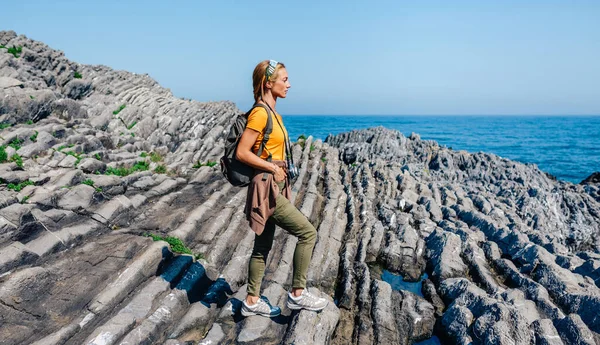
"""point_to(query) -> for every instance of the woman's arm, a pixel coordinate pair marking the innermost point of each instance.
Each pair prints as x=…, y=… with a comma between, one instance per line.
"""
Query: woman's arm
x=245, y=155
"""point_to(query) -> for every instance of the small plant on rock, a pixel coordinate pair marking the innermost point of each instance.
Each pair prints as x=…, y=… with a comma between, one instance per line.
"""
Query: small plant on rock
x=199, y=256
x=141, y=166
x=29, y=122
x=34, y=137
x=143, y=155
x=78, y=156
x=4, y=125
x=131, y=125
x=77, y=75
x=155, y=157
x=119, y=110
x=177, y=245
x=161, y=169
x=17, y=159
x=24, y=200
x=16, y=144
x=208, y=164
x=138, y=166
x=18, y=187
x=15, y=51
x=88, y=182
x=62, y=147
x=3, y=155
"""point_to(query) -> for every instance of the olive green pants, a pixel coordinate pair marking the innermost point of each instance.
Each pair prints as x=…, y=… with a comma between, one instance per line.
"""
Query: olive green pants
x=289, y=218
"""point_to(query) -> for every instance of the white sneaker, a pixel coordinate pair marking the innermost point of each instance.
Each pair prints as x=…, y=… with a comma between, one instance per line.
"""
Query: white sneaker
x=306, y=301
x=261, y=307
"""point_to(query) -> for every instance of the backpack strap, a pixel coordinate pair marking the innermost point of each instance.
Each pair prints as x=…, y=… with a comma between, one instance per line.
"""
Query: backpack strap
x=268, y=130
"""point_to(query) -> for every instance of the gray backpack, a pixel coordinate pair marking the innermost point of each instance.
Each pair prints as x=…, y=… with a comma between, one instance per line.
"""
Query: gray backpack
x=236, y=172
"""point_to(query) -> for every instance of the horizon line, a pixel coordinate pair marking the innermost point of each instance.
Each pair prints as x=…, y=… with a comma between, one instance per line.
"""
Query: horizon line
x=536, y=115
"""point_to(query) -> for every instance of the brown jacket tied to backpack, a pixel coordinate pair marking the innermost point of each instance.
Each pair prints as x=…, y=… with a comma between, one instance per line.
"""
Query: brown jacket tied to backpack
x=262, y=192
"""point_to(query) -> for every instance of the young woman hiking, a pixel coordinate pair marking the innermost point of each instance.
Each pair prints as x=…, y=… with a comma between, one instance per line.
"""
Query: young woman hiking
x=269, y=192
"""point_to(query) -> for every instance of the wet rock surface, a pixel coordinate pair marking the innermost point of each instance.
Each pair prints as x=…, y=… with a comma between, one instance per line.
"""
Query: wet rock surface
x=96, y=159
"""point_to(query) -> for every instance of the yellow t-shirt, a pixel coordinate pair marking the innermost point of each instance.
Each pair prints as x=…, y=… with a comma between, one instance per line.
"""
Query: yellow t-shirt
x=257, y=120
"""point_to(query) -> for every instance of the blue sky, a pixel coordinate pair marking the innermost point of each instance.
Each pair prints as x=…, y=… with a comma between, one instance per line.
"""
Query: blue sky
x=343, y=57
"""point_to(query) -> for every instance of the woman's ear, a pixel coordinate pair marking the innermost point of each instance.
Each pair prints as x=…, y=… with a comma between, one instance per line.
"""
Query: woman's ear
x=269, y=85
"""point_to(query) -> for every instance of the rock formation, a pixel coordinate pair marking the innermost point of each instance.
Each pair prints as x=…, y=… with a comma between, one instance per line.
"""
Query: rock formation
x=97, y=163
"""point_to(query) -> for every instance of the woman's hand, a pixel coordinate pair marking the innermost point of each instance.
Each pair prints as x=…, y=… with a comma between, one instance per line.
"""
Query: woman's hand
x=245, y=155
x=279, y=174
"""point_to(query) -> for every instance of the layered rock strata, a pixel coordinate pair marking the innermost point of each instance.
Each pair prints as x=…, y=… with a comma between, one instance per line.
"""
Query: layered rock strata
x=97, y=159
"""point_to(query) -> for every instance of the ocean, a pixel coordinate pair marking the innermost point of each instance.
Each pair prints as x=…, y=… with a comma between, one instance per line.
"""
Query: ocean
x=567, y=147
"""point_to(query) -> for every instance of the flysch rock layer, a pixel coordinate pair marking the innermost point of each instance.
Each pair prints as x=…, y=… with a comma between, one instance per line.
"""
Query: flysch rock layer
x=511, y=254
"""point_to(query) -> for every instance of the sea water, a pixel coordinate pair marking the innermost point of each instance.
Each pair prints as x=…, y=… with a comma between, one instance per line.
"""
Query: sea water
x=567, y=147
x=397, y=282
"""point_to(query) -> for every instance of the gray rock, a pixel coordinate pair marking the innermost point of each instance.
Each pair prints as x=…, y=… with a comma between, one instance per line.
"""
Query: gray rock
x=7, y=82
x=573, y=331
x=77, y=88
x=67, y=162
x=545, y=333
x=91, y=165
x=444, y=249
x=79, y=197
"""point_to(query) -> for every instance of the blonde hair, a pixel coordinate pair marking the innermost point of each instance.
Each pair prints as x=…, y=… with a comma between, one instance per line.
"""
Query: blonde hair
x=259, y=78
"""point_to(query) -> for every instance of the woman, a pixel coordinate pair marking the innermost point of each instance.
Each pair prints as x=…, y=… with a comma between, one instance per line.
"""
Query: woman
x=269, y=192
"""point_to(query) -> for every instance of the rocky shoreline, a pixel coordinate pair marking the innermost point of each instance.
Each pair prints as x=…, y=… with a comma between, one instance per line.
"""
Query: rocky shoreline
x=101, y=166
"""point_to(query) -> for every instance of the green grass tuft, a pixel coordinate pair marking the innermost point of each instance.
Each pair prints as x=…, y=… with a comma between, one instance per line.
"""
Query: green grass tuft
x=208, y=164
x=4, y=125
x=76, y=155
x=24, y=200
x=131, y=125
x=15, y=51
x=16, y=144
x=161, y=169
x=34, y=137
x=89, y=182
x=17, y=159
x=18, y=187
x=177, y=245
x=3, y=155
x=97, y=156
x=29, y=122
x=62, y=147
x=77, y=75
x=199, y=256
x=143, y=155
x=155, y=157
x=119, y=110
x=141, y=166
x=138, y=166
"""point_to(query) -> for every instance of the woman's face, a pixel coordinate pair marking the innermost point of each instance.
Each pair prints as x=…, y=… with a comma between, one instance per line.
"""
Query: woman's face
x=281, y=85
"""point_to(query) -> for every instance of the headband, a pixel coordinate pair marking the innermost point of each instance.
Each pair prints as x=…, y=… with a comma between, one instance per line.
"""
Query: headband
x=270, y=69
